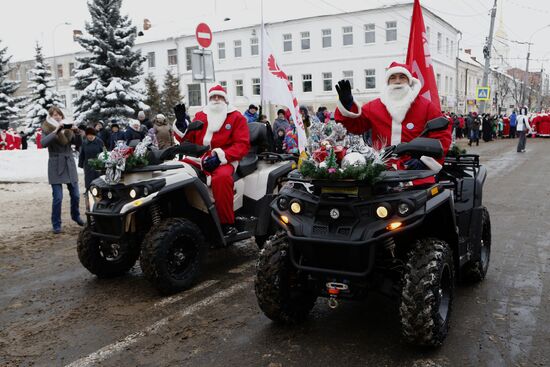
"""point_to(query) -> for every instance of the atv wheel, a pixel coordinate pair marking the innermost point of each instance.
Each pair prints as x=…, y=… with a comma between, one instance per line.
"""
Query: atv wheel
x=261, y=240
x=427, y=294
x=172, y=253
x=476, y=269
x=279, y=289
x=104, y=259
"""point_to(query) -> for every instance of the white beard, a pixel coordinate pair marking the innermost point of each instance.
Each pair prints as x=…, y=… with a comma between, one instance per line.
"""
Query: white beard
x=398, y=99
x=216, y=113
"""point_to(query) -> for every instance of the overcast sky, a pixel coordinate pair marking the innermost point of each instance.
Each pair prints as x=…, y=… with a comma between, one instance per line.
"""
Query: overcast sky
x=26, y=21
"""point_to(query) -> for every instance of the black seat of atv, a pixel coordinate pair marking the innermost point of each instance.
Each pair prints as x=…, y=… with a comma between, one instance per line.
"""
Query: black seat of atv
x=421, y=146
x=258, y=136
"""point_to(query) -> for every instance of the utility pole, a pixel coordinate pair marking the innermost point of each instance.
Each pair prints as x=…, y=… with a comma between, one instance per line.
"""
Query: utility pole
x=541, y=88
x=526, y=76
x=487, y=54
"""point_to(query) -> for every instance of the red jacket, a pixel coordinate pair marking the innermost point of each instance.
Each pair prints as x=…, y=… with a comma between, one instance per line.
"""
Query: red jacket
x=375, y=116
x=231, y=142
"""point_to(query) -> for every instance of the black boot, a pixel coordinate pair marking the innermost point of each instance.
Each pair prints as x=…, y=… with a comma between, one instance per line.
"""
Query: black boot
x=229, y=230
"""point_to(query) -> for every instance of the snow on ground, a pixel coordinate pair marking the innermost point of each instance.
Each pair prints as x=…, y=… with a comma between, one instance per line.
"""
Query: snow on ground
x=29, y=165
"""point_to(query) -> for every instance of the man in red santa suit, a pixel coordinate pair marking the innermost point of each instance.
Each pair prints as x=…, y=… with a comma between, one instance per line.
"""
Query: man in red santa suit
x=398, y=116
x=225, y=130
x=39, y=138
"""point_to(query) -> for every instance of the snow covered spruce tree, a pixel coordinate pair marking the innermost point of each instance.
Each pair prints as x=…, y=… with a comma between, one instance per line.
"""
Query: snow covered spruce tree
x=153, y=95
x=9, y=105
x=170, y=95
x=43, y=96
x=107, y=76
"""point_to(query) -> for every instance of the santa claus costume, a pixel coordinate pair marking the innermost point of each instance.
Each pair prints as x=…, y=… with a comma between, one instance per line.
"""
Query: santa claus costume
x=10, y=139
x=38, y=138
x=225, y=130
x=398, y=116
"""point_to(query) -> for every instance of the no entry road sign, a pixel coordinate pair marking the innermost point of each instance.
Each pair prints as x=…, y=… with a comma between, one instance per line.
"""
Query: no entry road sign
x=204, y=35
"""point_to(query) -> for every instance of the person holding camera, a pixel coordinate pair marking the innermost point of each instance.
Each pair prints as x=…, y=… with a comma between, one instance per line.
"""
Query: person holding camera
x=58, y=137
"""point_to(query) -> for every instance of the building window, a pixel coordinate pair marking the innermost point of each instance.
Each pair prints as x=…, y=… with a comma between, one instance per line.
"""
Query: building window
x=327, y=82
x=173, y=57
x=428, y=34
x=438, y=42
x=348, y=75
x=327, y=37
x=239, y=89
x=254, y=48
x=188, y=56
x=290, y=80
x=369, y=33
x=71, y=69
x=18, y=75
x=151, y=62
x=63, y=99
x=446, y=85
x=60, y=70
x=287, y=42
x=74, y=96
x=447, y=47
x=221, y=50
x=438, y=81
x=237, y=47
x=391, y=31
x=347, y=36
x=370, y=79
x=255, y=86
x=194, y=91
x=305, y=40
x=307, y=85
x=223, y=83
x=452, y=48
x=29, y=75
x=451, y=85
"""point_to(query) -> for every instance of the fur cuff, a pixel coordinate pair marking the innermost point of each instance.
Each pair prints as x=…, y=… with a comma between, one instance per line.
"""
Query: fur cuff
x=176, y=130
x=431, y=163
x=221, y=155
x=347, y=113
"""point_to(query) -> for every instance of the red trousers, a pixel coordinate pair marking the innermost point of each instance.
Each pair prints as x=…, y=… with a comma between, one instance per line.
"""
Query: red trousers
x=222, y=188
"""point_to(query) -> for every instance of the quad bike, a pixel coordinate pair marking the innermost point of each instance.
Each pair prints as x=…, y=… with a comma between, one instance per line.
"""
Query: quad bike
x=410, y=236
x=164, y=214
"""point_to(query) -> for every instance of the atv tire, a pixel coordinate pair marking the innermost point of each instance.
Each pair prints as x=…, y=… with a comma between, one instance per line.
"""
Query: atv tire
x=476, y=269
x=427, y=293
x=277, y=285
x=93, y=257
x=172, y=254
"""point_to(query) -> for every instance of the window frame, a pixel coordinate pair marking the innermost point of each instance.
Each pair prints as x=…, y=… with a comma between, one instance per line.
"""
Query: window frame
x=327, y=76
x=369, y=32
x=239, y=87
x=239, y=47
x=307, y=39
x=254, y=47
x=325, y=37
x=287, y=41
x=221, y=47
x=372, y=77
x=308, y=80
x=347, y=31
x=392, y=30
x=172, y=55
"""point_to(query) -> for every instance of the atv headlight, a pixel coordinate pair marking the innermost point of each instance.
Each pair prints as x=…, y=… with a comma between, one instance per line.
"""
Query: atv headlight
x=296, y=207
x=404, y=208
x=133, y=193
x=383, y=210
x=282, y=203
x=94, y=191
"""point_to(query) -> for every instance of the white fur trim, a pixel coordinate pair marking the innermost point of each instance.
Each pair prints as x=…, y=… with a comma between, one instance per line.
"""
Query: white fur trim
x=208, y=180
x=217, y=93
x=347, y=113
x=176, y=130
x=398, y=112
x=221, y=155
x=431, y=163
x=398, y=69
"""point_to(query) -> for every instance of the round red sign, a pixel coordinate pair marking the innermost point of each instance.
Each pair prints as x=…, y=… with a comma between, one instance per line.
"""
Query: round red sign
x=203, y=35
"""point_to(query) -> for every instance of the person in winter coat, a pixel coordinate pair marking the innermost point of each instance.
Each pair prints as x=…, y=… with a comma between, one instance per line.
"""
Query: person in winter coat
x=90, y=149
x=102, y=132
x=280, y=123
x=163, y=132
x=290, y=142
x=134, y=132
x=487, y=128
x=523, y=128
x=474, y=129
x=143, y=120
x=59, y=135
x=116, y=135
x=251, y=114
x=398, y=116
x=279, y=141
x=23, y=136
x=513, y=125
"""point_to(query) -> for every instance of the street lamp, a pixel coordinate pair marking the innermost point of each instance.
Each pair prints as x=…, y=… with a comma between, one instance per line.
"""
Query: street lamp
x=526, y=76
x=53, y=48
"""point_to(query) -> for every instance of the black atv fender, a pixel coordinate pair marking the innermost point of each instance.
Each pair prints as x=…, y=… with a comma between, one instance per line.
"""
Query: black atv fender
x=480, y=181
x=194, y=186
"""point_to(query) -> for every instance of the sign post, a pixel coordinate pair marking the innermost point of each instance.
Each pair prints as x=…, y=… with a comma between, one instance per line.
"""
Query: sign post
x=203, y=34
x=483, y=93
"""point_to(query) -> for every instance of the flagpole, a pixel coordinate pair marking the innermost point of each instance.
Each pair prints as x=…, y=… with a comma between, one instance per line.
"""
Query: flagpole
x=261, y=57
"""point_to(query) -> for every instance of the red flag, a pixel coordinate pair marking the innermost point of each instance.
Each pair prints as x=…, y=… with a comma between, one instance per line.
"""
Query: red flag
x=418, y=56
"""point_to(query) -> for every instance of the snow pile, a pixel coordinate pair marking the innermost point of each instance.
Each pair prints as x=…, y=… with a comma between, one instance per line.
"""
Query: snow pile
x=29, y=165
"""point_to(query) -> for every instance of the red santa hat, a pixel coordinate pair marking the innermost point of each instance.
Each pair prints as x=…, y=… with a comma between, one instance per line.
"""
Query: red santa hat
x=217, y=90
x=396, y=68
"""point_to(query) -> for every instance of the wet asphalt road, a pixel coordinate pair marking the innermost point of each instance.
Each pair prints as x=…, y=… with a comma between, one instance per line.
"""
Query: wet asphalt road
x=54, y=313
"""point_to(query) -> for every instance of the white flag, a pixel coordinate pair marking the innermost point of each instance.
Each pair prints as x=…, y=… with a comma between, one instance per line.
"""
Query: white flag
x=277, y=89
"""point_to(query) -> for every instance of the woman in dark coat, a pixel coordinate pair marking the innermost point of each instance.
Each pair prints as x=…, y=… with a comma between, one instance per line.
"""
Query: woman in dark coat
x=487, y=128
x=90, y=149
x=58, y=137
